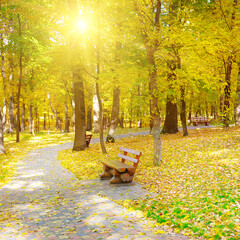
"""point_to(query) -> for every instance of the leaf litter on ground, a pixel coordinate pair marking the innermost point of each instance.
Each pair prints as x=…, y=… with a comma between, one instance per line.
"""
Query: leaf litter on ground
x=197, y=184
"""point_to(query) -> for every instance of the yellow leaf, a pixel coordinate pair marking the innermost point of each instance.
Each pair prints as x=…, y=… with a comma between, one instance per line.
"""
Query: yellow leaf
x=159, y=232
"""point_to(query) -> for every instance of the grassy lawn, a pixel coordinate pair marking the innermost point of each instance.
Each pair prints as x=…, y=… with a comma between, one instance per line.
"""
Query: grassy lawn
x=197, y=185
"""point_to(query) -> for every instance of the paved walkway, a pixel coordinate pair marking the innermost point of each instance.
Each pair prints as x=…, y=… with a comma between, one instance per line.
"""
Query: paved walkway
x=45, y=201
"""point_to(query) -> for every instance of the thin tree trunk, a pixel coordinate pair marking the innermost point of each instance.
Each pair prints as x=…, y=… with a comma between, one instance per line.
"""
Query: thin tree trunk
x=31, y=120
x=237, y=109
x=11, y=115
x=23, y=118
x=2, y=149
x=55, y=113
x=89, y=118
x=97, y=86
x=96, y=127
x=114, y=116
x=67, y=121
x=44, y=121
x=19, y=84
x=122, y=120
x=227, y=92
x=100, y=120
x=155, y=114
x=80, y=125
x=37, y=119
x=3, y=71
x=4, y=115
x=183, y=112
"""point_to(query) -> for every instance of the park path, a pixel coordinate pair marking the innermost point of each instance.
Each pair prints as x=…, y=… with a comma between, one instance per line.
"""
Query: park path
x=46, y=201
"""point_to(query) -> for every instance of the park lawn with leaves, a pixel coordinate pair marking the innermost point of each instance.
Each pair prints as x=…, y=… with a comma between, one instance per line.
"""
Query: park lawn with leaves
x=197, y=184
x=16, y=151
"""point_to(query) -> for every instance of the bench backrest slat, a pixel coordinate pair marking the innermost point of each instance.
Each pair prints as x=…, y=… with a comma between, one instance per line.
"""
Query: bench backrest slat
x=130, y=151
x=125, y=157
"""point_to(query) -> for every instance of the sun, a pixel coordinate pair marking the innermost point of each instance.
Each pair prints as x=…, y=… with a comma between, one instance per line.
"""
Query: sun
x=81, y=25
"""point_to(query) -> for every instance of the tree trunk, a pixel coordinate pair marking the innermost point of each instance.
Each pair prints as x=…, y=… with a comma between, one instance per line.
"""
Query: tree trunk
x=237, y=108
x=37, y=120
x=96, y=127
x=89, y=118
x=100, y=120
x=3, y=71
x=2, y=149
x=155, y=115
x=31, y=120
x=4, y=115
x=122, y=120
x=19, y=84
x=11, y=115
x=44, y=121
x=114, y=116
x=60, y=123
x=55, y=113
x=97, y=79
x=23, y=118
x=227, y=92
x=67, y=122
x=80, y=125
x=183, y=112
x=171, y=121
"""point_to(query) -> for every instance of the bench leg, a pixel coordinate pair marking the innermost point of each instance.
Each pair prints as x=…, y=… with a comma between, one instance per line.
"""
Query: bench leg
x=116, y=177
x=121, y=177
x=106, y=173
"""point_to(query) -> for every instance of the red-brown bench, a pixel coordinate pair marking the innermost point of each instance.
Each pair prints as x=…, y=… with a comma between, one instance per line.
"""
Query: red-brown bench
x=119, y=171
x=200, y=120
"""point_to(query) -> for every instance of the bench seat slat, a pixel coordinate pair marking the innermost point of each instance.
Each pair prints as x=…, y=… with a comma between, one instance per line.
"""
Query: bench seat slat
x=121, y=167
x=130, y=151
x=127, y=158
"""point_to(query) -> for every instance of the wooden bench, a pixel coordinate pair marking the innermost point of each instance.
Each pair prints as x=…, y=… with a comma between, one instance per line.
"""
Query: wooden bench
x=88, y=139
x=119, y=171
x=200, y=120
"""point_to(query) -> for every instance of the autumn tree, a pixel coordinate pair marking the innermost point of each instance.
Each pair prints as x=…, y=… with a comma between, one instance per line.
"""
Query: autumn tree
x=149, y=15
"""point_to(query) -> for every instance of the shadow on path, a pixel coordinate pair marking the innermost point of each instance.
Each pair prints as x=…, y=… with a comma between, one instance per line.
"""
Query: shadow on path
x=46, y=201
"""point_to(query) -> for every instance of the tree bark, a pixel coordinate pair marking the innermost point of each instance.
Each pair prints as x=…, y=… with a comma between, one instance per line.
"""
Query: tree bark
x=183, y=112
x=114, y=116
x=23, y=118
x=227, y=92
x=97, y=79
x=89, y=118
x=80, y=125
x=11, y=115
x=96, y=127
x=2, y=149
x=67, y=121
x=122, y=120
x=3, y=71
x=100, y=120
x=31, y=120
x=19, y=84
x=237, y=109
x=4, y=115
x=155, y=114
x=44, y=121
x=171, y=121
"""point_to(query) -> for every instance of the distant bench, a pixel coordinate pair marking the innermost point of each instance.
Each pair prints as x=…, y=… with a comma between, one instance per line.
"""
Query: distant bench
x=88, y=139
x=200, y=120
x=119, y=171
